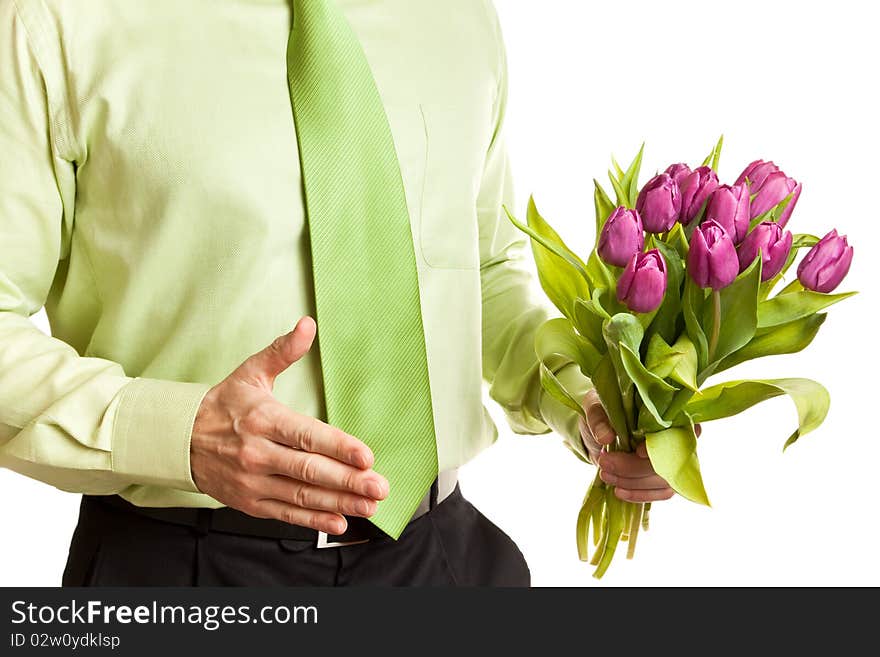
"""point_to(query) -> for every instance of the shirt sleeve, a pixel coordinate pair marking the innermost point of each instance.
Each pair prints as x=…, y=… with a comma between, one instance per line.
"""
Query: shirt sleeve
x=78, y=423
x=512, y=306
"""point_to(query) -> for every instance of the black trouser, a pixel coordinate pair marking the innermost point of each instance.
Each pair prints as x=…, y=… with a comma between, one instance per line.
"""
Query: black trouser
x=453, y=544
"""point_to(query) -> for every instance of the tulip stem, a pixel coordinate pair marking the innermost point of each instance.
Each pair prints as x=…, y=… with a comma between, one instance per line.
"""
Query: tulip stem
x=634, y=526
x=716, y=324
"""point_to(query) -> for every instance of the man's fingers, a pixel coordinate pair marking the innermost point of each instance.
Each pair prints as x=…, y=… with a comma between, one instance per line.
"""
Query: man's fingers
x=284, y=351
x=308, y=496
x=598, y=424
x=313, y=435
x=626, y=464
x=634, y=483
x=642, y=450
x=324, y=471
x=332, y=523
x=654, y=495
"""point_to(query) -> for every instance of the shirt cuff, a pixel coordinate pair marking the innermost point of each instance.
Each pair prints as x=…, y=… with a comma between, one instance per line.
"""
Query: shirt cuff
x=152, y=432
x=559, y=417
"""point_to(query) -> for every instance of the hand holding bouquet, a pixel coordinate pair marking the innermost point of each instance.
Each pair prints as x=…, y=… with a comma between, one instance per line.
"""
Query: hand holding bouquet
x=683, y=283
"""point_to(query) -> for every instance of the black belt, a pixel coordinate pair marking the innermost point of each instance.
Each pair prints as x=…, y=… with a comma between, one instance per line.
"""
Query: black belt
x=232, y=521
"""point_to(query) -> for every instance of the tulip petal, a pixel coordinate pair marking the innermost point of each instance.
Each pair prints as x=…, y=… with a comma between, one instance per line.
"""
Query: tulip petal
x=830, y=276
x=786, y=214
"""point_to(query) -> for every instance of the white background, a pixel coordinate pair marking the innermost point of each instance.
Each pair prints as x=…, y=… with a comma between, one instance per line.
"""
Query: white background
x=789, y=81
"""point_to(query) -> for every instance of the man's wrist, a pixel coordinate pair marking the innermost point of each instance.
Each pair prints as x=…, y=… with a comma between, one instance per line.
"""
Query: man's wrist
x=152, y=432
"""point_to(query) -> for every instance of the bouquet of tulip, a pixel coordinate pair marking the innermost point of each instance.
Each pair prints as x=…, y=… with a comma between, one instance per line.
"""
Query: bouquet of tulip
x=683, y=283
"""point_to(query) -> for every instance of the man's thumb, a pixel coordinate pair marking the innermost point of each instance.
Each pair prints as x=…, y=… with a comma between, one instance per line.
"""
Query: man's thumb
x=284, y=351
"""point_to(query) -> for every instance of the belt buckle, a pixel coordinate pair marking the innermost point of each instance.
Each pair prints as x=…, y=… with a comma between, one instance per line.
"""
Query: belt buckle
x=325, y=542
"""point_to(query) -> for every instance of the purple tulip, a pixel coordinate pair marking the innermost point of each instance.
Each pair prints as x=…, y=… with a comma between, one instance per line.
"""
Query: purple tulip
x=678, y=172
x=659, y=203
x=695, y=189
x=826, y=264
x=642, y=285
x=729, y=206
x=712, y=260
x=622, y=237
x=756, y=173
x=773, y=191
x=774, y=245
x=769, y=185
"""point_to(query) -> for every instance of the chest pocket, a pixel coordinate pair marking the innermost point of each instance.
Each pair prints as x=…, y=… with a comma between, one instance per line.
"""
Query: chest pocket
x=441, y=150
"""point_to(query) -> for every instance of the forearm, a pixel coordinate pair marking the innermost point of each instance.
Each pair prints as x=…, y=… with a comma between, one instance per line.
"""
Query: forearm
x=83, y=426
x=513, y=312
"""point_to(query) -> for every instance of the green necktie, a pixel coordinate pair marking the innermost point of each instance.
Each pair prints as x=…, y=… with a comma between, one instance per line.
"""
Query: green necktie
x=370, y=334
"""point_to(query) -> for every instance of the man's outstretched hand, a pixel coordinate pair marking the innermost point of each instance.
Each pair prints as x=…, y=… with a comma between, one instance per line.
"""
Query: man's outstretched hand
x=253, y=453
x=630, y=473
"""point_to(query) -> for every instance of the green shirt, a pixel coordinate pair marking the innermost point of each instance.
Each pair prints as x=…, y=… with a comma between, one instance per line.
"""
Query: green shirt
x=150, y=199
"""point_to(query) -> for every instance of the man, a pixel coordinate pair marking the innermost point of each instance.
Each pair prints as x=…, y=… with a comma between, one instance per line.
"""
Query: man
x=181, y=182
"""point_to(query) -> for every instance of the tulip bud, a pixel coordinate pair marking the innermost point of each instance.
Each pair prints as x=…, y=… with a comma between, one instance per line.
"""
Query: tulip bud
x=678, y=172
x=826, y=264
x=622, y=237
x=756, y=173
x=729, y=206
x=642, y=285
x=712, y=260
x=695, y=190
x=773, y=191
x=659, y=203
x=774, y=245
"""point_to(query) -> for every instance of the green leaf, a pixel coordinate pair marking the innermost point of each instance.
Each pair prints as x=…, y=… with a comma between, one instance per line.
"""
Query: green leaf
x=618, y=170
x=673, y=454
x=656, y=394
x=623, y=328
x=647, y=421
x=677, y=362
x=781, y=339
x=739, y=302
x=685, y=371
x=693, y=300
x=588, y=319
x=630, y=180
x=562, y=275
x=646, y=319
x=785, y=308
x=715, y=155
x=599, y=300
x=604, y=208
x=727, y=399
x=556, y=390
x=772, y=215
x=605, y=381
x=545, y=230
x=557, y=337
x=677, y=239
x=619, y=192
x=679, y=401
x=803, y=241
x=665, y=321
x=794, y=286
x=598, y=274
